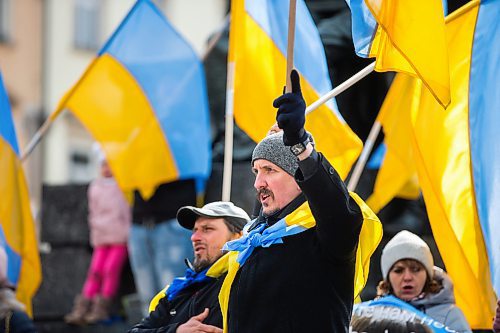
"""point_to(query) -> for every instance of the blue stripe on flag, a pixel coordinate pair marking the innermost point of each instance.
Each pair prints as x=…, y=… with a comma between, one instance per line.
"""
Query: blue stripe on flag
x=364, y=26
x=309, y=54
x=13, y=260
x=7, y=130
x=484, y=117
x=172, y=78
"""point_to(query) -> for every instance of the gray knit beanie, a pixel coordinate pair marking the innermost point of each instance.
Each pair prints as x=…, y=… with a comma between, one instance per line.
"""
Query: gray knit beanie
x=272, y=149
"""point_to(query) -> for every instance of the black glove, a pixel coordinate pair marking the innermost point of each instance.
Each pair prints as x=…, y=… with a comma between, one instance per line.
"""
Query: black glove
x=291, y=115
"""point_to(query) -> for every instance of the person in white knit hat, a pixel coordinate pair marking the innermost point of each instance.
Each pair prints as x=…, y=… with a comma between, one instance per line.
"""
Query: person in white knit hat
x=410, y=275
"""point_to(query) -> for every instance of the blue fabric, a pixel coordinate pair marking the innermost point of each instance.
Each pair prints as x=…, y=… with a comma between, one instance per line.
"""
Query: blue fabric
x=364, y=27
x=261, y=237
x=173, y=80
x=406, y=313
x=484, y=118
x=7, y=130
x=377, y=157
x=309, y=54
x=181, y=283
x=13, y=260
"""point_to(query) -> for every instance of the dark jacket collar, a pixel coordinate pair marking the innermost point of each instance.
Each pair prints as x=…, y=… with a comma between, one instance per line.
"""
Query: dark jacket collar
x=272, y=219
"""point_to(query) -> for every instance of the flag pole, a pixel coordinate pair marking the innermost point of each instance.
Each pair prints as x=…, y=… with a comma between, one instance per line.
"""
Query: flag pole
x=228, y=137
x=363, y=158
x=37, y=137
x=60, y=109
x=341, y=87
x=291, y=41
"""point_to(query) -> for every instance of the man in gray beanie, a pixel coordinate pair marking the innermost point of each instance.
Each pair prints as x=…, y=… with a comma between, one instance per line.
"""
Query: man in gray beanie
x=297, y=261
x=190, y=303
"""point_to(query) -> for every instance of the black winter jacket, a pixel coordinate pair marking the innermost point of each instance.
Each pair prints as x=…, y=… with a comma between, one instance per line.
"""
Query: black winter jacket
x=305, y=284
x=168, y=315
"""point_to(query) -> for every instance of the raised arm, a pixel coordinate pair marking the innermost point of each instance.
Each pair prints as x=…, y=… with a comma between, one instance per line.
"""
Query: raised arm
x=338, y=217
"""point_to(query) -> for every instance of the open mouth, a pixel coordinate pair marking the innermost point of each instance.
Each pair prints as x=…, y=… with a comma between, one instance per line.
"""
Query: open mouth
x=199, y=248
x=264, y=197
x=408, y=289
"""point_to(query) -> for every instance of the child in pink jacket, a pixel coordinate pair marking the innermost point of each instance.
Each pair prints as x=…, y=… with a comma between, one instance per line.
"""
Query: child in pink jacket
x=109, y=222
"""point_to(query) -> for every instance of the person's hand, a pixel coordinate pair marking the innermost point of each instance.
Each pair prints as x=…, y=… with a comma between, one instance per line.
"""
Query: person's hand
x=195, y=324
x=291, y=115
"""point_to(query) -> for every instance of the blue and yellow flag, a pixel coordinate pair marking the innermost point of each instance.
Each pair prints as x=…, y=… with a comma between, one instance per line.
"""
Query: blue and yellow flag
x=404, y=36
x=457, y=159
x=484, y=117
x=257, y=50
x=17, y=228
x=144, y=100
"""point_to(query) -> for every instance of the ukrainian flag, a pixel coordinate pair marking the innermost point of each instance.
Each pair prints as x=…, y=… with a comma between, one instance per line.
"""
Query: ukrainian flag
x=257, y=50
x=404, y=36
x=457, y=159
x=484, y=118
x=144, y=100
x=17, y=228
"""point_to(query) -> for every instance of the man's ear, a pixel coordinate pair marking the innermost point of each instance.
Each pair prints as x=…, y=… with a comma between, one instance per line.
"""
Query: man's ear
x=236, y=235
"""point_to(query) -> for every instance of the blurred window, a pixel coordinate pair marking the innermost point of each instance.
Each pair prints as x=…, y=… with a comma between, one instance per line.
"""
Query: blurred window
x=5, y=20
x=87, y=24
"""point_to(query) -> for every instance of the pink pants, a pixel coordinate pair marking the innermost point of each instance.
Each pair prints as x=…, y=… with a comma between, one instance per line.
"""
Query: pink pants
x=105, y=270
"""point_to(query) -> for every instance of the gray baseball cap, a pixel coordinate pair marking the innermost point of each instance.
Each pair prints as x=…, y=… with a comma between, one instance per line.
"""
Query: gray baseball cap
x=236, y=216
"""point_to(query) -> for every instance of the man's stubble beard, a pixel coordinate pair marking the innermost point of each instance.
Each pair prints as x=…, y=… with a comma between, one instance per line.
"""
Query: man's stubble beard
x=201, y=264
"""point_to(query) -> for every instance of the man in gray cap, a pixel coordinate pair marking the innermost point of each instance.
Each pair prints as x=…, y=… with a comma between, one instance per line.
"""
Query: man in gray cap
x=190, y=303
x=296, y=264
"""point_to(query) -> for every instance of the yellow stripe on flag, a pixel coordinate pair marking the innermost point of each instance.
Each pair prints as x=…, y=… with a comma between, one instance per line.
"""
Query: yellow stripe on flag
x=259, y=75
x=442, y=151
x=112, y=106
x=18, y=224
x=410, y=38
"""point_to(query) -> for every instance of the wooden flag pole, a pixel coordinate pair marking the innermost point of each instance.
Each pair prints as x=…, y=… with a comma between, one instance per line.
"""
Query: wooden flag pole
x=60, y=109
x=36, y=138
x=291, y=41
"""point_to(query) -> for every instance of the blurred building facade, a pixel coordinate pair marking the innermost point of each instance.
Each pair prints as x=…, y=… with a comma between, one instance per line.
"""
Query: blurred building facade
x=21, y=67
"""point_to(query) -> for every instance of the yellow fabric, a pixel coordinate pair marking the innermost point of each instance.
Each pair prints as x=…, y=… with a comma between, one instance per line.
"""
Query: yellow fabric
x=112, y=106
x=217, y=269
x=397, y=175
x=410, y=38
x=369, y=238
x=18, y=224
x=259, y=75
x=154, y=302
x=441, y=145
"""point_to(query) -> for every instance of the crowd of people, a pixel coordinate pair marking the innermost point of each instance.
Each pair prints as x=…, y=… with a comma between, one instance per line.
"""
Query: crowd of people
x=291, y=269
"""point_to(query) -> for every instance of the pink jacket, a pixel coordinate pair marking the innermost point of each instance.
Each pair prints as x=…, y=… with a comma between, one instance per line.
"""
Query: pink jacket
x=109, y=213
